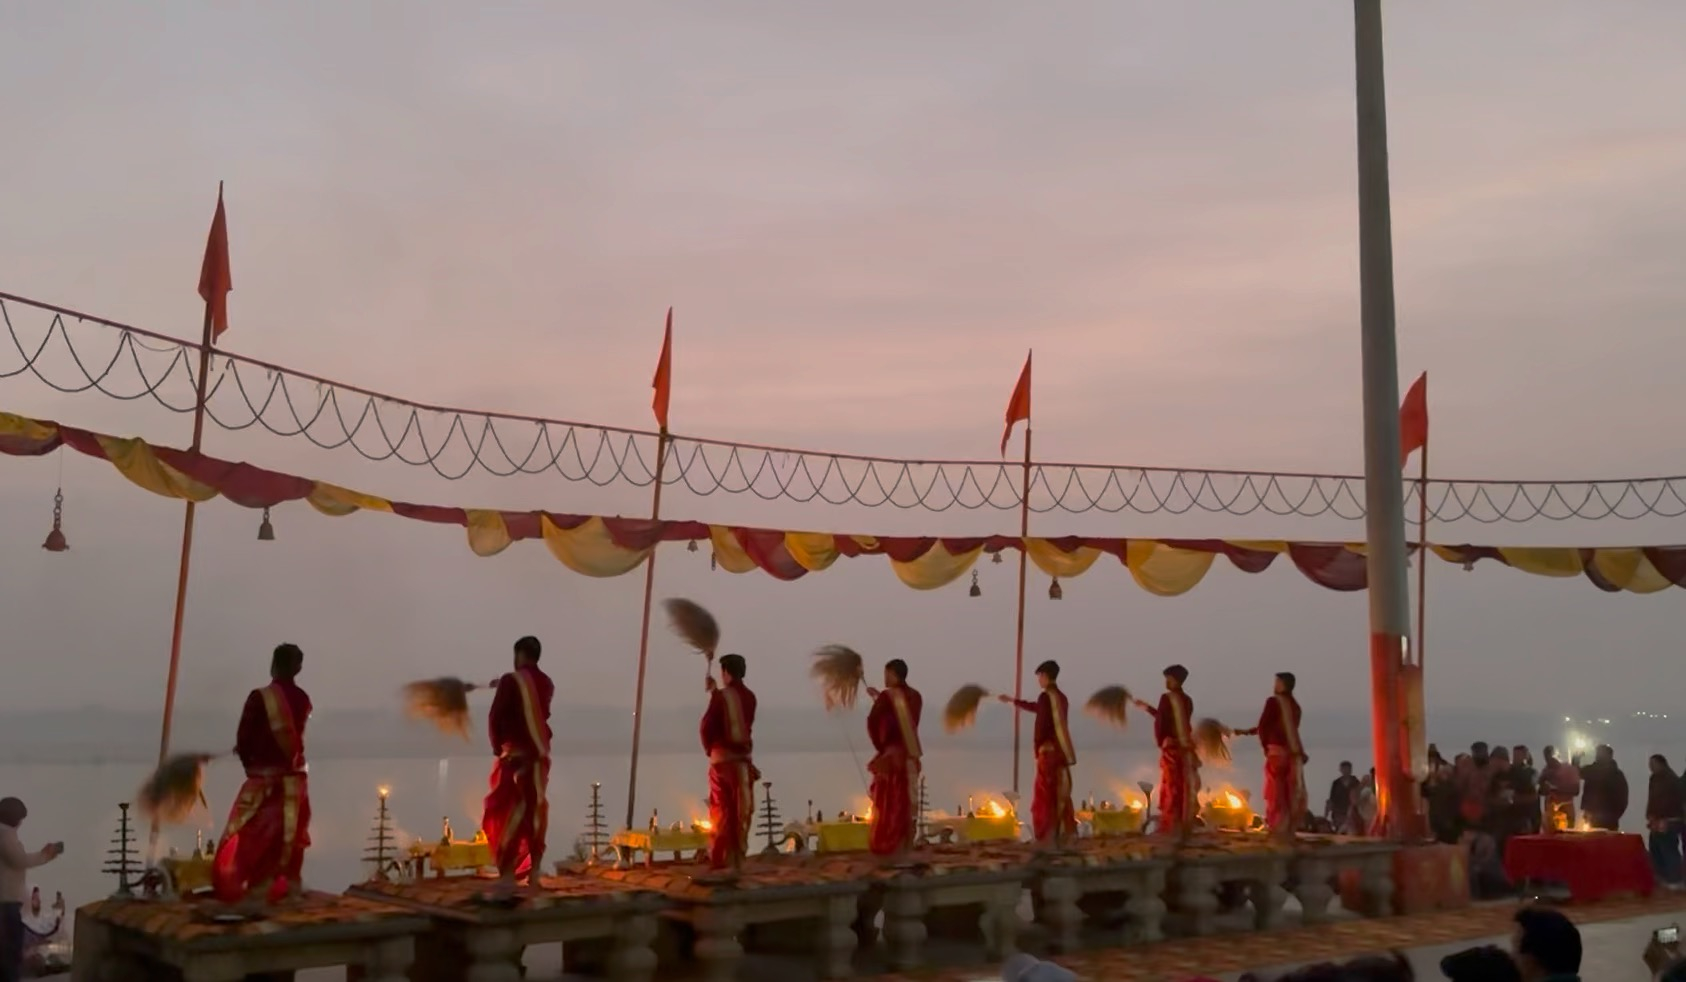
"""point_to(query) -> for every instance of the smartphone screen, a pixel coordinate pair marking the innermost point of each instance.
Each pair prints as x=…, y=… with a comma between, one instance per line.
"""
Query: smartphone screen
x=1668, y=935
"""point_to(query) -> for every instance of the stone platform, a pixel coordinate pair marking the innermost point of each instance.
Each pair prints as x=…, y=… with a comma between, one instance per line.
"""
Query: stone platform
x=847, y=913
x=605, y=928
x=124, y=940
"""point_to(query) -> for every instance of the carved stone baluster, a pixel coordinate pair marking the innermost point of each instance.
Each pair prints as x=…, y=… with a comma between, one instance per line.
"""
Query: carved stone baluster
x=835, y=940
x=1312, y=888
x=1144, y=909
x=1060, y=912
x=494, y=955
x=904, y=927
x=633, y=957
x=717, y=946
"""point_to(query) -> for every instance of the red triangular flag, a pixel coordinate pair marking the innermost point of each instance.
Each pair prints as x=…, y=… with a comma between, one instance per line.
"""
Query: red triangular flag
x=663, y=382
x=1018, y=407
x=215, y=281
x=1413, y=419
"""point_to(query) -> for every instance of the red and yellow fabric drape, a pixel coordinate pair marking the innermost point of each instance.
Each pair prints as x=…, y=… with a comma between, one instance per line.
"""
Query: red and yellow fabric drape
x=596, y=545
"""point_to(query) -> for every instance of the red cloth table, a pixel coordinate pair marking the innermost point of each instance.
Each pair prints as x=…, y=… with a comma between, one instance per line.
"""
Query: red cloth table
x=1594, y=865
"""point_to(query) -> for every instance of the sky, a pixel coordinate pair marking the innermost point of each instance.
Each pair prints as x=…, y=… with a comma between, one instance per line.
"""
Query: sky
x=864, y=215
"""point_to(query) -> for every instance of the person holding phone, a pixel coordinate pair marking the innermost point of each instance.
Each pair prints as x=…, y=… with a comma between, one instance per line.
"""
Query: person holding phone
x=15, y=865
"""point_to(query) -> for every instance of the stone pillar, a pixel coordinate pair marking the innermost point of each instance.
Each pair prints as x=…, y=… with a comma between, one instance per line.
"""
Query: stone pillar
x=389, y=960
x=1376, y=885
x=904, y=927
x=1191, y=895
x=835, y=940
x=633, y=957
x=1000, y=921
x=1144, y=910
x=717, y=946
x=494, y=955
x=1060, y=913
x=1312, y=888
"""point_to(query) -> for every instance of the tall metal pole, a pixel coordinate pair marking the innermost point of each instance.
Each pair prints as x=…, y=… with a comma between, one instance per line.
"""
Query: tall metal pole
x=644, y=636
x=1024, y=560
x=1383, y=489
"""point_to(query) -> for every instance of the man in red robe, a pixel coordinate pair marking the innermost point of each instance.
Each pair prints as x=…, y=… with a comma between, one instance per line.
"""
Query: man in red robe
x=262, y=849
x=727, y=731
x=1051, y=813
x=1284, y=776
x=516, y=815
x=893, y=725
x=1179, y=765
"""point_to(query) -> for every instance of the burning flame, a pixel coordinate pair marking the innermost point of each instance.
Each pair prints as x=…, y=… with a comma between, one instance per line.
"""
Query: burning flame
x=702, y=825
x=384, y=790
x=1583, y=825
x=1230, y=800
x=992, y=809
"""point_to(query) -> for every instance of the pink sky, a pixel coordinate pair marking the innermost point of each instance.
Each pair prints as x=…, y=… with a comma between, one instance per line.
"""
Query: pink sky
x=864, y=215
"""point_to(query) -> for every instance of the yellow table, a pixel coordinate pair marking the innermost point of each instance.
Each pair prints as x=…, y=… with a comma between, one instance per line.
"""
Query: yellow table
x=188, y=876
x=1226, y=816
x=980, y=828
x=1114, y=821
x=458, y=856
x=840, y=836
x=629, y=842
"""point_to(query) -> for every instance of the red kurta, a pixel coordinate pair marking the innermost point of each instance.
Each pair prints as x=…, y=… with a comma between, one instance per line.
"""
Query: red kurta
x=1179, y=765
x=1279, y=734
x=1051, y=810
x=269, y=826
x=516, y=816
x=727, y=731
x=893, y=725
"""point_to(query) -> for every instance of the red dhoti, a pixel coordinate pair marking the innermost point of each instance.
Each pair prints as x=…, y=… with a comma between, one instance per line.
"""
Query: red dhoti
x=516, y=814
x=1179, y=787
x=895, y=775
x=731, y=808
x=1051, y=812
x=1285, y=796
x=264, y=841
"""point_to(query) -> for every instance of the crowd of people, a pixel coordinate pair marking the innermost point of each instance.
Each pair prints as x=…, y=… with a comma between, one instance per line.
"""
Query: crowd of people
x=1487, y=795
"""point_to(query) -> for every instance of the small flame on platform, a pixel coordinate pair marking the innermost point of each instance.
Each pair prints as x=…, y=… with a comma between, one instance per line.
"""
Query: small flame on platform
x=384, y=791
x=992, y=809
x=702, y=825
x=1583, y=825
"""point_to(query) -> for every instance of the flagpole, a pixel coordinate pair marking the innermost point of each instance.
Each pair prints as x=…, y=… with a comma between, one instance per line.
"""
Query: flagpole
x=186, y=557
x=644, y=633
x=1024, y=560
x=1422, y=551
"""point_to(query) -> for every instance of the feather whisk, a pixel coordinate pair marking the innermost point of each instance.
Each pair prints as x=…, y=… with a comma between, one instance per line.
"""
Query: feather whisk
x=962, y=708
x=442, y=702
x=841, y=673
x=175, y=789
x=695, y=625
x=1211, y=741
x=1111, y=704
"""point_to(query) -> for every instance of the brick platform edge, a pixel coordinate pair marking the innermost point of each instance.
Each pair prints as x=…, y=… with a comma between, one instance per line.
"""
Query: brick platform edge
x=1174, y=961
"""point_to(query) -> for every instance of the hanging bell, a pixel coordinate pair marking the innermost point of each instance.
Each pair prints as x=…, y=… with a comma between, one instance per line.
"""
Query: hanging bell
x=691, y=546
x=996, y=558
x=975, y=591
x=1054, y=591
x=266, y=531
x=55, y=539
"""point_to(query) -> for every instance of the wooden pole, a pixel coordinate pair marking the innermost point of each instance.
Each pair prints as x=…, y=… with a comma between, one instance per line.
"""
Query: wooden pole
x=1389, y=588
x=1422, y=553
x=1024, y=560
x=644, y=634
x=186, y=557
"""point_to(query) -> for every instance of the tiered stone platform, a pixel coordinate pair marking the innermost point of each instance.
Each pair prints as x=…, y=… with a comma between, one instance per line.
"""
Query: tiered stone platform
x=849, y=913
